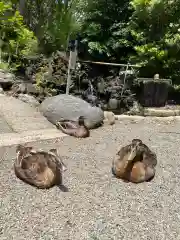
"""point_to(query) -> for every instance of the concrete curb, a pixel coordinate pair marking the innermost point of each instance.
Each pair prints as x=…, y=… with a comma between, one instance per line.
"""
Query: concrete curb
x=153, y=112
x=135, y=117
x=10, y=139
x=161, y=112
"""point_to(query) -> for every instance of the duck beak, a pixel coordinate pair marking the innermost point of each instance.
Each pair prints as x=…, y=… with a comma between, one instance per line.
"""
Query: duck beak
x=132, y=154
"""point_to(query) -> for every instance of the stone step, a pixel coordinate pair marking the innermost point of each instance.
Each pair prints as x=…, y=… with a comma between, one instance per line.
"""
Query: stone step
x=20, y=116
x=9, y=139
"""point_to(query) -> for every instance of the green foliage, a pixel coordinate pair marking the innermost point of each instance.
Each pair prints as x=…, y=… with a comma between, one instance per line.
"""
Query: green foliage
x=105, y=29
x=4, y=65
x=155, y=27
x=52, y=21
x=16, y=40
x=146, y=32
x=43, y=77
x=39, y=77
x=46, y=83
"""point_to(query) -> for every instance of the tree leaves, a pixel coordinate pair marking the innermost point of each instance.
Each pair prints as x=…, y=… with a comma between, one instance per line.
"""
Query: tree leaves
x=16, y=39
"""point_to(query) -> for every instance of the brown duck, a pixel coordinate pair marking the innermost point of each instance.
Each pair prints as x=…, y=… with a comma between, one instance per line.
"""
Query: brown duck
x=74, y=128
x=38, y=168
x=135, y=162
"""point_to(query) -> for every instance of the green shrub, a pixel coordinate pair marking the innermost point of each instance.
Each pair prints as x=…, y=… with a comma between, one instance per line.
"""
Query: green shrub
x=16, y=41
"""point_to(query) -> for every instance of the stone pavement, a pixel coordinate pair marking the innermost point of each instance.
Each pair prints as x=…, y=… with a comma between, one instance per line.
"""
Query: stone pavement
x=21, y=123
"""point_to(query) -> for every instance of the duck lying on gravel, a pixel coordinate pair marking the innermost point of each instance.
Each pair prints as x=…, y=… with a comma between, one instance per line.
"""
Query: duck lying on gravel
x=37, y=167
x=135, y=162
x=74, y=128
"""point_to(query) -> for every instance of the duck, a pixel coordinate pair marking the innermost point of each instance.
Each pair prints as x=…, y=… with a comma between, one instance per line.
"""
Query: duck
x=39, y=168
x=76, y=129
x=135, y=162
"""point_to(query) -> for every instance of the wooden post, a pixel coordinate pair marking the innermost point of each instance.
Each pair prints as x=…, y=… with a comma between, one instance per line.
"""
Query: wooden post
x=71, y=65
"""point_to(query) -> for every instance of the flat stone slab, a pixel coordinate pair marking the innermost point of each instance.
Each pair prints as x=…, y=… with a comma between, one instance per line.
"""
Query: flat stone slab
x=20, y=116
x=10, y=139
x=4, y=127
x=156, y=112
x=21, y=123
x=136, y=117
x=161, y=112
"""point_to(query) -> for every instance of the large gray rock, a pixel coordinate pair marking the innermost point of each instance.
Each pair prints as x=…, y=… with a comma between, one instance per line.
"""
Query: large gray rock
x=70, y=107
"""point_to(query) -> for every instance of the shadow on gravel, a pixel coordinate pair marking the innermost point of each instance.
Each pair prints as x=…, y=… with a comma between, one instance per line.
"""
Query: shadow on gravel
x=63, y=188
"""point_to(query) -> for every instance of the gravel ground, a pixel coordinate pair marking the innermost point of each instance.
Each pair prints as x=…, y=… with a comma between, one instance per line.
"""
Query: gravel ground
x=96, y=205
